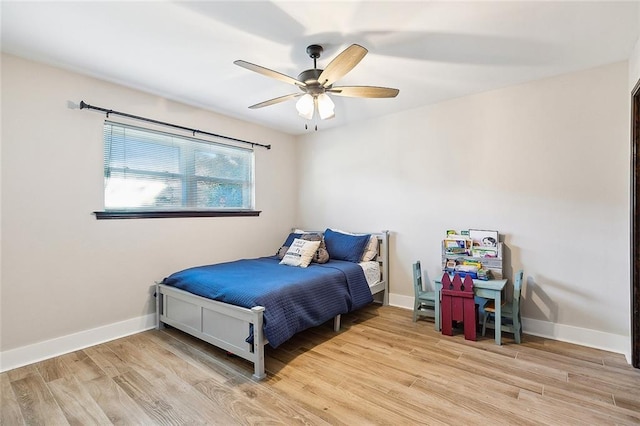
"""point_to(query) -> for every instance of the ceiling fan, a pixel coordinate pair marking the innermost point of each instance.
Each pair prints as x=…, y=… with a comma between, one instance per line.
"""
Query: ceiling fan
x=315, y=84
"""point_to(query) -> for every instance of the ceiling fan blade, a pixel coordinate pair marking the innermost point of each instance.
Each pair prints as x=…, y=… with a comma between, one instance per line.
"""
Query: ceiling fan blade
x=342, y=64
x=364, y=91
x=276, y=100
x=269, y=73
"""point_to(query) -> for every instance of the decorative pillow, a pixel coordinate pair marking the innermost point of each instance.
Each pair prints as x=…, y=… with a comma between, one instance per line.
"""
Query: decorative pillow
x=300, y=253
x=322, y=255
x=287, y=243
x=343, y=246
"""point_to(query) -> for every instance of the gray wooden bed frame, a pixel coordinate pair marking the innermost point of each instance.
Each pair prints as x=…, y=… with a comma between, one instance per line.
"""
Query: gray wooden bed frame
x=227, y=326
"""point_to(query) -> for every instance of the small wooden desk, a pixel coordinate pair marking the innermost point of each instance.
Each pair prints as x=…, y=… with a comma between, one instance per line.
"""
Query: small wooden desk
x=491, y=289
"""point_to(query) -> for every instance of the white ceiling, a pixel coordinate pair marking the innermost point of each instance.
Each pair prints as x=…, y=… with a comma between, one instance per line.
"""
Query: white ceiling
x=431, y=51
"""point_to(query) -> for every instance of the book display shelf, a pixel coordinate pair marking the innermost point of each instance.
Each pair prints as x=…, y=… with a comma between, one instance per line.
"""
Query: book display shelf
x=473, y=252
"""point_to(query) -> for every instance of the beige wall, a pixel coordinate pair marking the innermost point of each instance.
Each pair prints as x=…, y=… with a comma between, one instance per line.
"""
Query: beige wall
x=546, y=163
x=65, y=272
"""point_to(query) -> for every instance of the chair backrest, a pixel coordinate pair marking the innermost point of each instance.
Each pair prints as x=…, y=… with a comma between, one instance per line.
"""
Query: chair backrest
x=427, y=281
x=417, y=278
x=517, y=290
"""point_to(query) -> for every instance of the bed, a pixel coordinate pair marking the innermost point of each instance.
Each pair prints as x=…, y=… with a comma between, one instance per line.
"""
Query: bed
x=265, y=307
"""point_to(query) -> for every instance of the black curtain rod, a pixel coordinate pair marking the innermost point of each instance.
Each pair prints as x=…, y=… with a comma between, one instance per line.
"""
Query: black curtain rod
x=84, y=105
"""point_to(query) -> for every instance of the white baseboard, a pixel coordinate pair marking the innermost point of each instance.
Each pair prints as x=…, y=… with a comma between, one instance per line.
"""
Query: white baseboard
x=400, y=301
x=580, y=336
x=36, y=352
x=565, y=333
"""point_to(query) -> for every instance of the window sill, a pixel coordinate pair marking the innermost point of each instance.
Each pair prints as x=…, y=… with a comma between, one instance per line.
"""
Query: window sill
x=150, y=214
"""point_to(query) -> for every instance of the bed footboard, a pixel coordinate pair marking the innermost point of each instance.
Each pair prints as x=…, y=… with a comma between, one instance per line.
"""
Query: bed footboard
x=223, y=325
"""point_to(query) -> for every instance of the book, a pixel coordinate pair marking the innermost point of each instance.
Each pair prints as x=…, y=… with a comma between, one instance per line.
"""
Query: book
x=452, y=246
x=484, y=252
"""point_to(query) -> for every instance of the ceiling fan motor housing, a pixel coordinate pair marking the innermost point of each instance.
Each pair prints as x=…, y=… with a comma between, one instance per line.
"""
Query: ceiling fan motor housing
x=310, y=78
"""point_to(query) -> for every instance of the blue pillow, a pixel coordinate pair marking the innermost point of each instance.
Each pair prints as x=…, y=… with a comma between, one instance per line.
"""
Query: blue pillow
x=287, y=243
x=344, y=246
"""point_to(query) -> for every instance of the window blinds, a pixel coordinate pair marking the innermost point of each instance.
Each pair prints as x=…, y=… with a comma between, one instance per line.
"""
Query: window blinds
x=152, y=170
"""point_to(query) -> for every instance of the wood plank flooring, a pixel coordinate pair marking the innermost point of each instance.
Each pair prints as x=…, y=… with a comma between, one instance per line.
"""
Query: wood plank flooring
x=380, y=369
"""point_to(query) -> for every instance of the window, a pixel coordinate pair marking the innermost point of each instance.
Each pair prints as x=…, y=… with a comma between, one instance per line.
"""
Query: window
x=151, y=171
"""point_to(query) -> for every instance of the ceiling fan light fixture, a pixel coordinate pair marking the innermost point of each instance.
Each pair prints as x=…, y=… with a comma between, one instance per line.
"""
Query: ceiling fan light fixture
x=325, y=106
x=305, y=106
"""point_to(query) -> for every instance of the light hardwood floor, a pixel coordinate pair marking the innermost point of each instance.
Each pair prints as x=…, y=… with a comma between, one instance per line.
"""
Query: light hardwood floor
x=380, y=369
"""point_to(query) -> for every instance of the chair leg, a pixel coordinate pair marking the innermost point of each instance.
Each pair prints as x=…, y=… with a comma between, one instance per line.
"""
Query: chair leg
x=517, y=328
x=415, y=311
x=485, y=317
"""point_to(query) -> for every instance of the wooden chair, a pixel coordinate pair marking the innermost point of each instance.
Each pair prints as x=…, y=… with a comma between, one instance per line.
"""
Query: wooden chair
x=458, y=305
x=510, y=312
x=424, y=301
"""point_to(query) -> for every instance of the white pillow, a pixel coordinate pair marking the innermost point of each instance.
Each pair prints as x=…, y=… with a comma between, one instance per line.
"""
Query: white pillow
x=300, y=253
x=370, y=250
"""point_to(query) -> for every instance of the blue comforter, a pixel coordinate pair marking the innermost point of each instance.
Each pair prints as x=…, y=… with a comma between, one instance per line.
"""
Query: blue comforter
x=294, y=298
